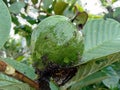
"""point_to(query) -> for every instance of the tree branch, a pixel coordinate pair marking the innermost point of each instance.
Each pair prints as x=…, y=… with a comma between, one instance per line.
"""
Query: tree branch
x=16, y=74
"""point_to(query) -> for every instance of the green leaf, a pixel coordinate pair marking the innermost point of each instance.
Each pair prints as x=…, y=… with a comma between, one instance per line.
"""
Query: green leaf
x=26, y=70
x=87, y=69
x=59, y=7
x=96, y=77
x=6, y=80
x=116, y=13
x=68, y=13
x=71, y=1
x=34, y=1
x=53, y=86
x=47, y=3
x=29, y=19
x=80, y=19
x=15, y=86
x=12, y=1
x=6, y=2
x=102, y=37
x=5, y=23
x=9, y=83
x=113, y=80
x=15, y=20
x=16, y=7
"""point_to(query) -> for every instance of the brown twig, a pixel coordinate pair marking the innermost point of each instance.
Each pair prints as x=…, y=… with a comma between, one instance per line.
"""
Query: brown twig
x=18, y=76
x=25, y=79
x=2, y=66
x=40, y=4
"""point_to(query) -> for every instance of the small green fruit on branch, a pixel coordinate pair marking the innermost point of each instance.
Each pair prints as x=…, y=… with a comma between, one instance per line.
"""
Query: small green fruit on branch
x=10, y=71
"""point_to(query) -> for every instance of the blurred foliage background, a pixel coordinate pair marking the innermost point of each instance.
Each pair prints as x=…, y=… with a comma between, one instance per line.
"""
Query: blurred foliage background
x=26, y=14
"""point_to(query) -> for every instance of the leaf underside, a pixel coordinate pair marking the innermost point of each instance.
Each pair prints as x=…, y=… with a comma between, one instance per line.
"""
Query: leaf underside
x=102, y=38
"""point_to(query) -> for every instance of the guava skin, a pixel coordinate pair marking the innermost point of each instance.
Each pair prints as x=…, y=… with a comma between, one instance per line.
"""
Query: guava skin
x=56, y=40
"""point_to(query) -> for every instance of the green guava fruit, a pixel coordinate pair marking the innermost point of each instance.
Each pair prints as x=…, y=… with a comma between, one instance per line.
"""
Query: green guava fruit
x=57, y=40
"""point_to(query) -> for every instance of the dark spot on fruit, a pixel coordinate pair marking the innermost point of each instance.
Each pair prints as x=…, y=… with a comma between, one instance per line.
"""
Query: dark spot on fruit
x=44, y=59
